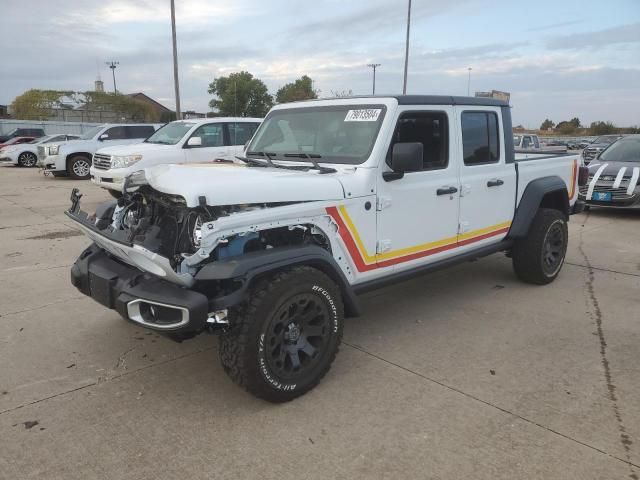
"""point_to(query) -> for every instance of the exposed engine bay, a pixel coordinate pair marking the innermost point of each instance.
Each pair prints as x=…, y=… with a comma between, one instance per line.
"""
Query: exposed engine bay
x=164, y=225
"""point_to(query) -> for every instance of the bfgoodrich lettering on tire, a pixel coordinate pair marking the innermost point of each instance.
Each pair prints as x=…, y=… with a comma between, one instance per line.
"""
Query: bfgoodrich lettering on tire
x=284, y=338
x=538, y=258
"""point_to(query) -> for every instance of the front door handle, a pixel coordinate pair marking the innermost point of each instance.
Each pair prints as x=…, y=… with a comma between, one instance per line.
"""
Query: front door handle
x=446, y=190
x=496, y=182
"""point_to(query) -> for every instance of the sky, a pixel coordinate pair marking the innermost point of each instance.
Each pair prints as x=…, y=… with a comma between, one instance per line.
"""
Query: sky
x=558, y=58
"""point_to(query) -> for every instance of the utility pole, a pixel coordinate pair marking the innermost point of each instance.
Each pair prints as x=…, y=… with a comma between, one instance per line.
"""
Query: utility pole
x=112, y=66
x=175, y=60
x=406, y=51
x=374, y=66
x=469, y=82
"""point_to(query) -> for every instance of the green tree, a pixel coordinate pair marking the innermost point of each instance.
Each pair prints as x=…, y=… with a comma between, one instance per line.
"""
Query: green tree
x=566, y=128
x=301, y=89
x=575, y=121
x=547, y=124
x=37, y=104
x=240, y=95
x=132, y=109
x=41, y=105
x=602, y=128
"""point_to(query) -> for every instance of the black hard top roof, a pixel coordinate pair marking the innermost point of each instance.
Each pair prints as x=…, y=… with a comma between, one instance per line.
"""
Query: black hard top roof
x=432, y=100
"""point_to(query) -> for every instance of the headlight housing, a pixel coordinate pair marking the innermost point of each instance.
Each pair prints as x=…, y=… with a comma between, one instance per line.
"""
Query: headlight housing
x=53, y=149
x=122, y=161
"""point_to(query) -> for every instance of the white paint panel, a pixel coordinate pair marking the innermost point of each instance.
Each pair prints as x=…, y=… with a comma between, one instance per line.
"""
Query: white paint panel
x=634, y=180
x=592, y=185
x=619, y=177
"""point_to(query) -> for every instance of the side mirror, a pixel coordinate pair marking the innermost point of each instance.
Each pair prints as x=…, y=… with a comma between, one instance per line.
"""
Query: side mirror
x=104, y=136
x=194, y=142
x=405, y=157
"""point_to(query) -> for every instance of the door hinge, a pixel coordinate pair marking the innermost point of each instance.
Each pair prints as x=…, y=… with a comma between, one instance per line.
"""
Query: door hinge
x=383, y=246
x=382, y=203
x=463, y=227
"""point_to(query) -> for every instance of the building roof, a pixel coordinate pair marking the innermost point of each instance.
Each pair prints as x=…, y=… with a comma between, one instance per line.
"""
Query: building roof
x=148, y=99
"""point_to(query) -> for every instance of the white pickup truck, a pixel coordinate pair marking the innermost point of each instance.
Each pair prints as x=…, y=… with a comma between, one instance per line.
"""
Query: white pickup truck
x=74, y=158
x=336, y=197
x=182, y=141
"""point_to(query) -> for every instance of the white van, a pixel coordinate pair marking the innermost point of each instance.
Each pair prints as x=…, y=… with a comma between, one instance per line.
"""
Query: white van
x=182, y=141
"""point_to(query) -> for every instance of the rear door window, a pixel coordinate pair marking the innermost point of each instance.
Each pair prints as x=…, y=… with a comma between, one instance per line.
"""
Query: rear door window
x=140, y=131
x=480, y=138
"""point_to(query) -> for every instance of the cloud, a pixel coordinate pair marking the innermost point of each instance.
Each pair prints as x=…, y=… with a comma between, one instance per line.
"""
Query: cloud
x=553, y=26
x=629, y=33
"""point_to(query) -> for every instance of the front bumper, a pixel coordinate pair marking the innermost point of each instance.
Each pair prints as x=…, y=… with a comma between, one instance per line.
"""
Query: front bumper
x=108, y=178
x=138, y=296
x=51, y=163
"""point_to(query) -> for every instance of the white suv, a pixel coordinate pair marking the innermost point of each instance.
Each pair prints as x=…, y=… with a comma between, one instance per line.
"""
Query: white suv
x=74, y=158
x=182, y=141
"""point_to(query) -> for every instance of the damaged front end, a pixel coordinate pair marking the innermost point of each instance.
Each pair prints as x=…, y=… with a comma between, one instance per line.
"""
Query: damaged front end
x=166, y=266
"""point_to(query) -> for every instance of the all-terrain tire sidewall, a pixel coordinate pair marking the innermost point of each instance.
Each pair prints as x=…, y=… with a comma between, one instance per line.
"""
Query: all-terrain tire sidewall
x=243, y=353
x=22, y=160
x=528, y=252
x=72, y=173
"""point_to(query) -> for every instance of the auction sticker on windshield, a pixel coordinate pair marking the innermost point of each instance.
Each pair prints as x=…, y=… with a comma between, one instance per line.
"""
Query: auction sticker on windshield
x=364, y=115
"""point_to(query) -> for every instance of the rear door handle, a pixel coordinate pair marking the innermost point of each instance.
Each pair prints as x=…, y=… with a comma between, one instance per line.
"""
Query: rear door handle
x=446, y=190
x=496, y=182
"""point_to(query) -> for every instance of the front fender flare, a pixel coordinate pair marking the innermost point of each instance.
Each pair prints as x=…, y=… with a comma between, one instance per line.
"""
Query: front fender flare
x=246, y=268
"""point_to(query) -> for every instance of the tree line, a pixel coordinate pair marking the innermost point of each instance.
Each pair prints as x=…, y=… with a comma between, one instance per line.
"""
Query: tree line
x=574, y=127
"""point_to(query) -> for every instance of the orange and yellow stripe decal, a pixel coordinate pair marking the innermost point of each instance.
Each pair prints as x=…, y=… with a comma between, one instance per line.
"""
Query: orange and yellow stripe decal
x=365, y=262
x=574, y=178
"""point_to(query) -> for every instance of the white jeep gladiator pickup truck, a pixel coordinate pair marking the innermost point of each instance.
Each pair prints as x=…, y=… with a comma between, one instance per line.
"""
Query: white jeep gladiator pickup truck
x=335, y=197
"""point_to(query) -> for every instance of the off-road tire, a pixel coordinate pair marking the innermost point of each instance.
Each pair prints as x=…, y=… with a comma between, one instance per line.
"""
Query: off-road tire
x=246, y=351
x=27, y=159
x=74, y=170
x=533, y=261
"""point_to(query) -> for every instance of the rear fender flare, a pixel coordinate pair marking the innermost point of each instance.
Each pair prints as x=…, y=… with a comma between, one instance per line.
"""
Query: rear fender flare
x=546, y=192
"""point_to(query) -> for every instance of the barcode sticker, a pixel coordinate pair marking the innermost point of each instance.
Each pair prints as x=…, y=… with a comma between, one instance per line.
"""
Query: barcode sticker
x=364, y=115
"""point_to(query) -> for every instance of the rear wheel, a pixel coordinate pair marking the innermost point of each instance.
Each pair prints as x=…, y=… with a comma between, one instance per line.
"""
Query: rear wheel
x=79, y=167
x=538, y=258
x=285, y=337
x=27, y=159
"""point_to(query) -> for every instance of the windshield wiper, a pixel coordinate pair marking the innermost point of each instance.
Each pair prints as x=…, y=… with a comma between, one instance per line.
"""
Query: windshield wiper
x=311, y=157
x=268, y=160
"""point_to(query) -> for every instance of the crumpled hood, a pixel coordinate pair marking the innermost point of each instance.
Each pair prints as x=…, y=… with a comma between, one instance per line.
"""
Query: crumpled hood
x=233, y=184
x=136, y=148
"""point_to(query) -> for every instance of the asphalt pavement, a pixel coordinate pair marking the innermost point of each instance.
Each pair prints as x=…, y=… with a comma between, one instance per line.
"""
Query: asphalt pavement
x=466, y=373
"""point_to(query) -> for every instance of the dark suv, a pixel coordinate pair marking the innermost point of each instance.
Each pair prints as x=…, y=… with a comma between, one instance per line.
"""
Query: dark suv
x=22, y=132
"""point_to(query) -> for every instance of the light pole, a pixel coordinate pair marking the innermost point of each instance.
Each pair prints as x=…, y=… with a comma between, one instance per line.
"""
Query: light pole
x=469, y=82
x=374, y=66
x=112, y=66
x=406, y=51
x=175, y=59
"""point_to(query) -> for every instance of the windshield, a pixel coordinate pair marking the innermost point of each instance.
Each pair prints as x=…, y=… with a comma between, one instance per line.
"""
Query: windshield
x=605, y=140
x=624, y=150
x=89, y=134
x=335, y=134
x=171, y=133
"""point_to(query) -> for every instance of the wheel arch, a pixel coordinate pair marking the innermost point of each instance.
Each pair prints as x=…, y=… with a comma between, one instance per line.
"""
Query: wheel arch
x=250, y=267
x=89, y=156
x=546, y=192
